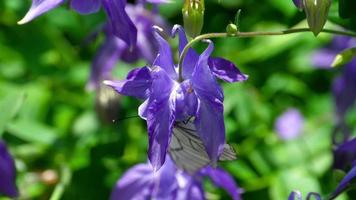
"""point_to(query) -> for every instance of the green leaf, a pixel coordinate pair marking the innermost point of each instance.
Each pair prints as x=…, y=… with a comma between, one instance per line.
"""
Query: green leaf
x=32, y=131
x=9, y=106
x=344, y=57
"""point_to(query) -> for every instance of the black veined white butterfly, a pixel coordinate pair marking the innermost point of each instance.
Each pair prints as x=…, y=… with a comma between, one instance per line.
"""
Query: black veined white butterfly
x=187, y=149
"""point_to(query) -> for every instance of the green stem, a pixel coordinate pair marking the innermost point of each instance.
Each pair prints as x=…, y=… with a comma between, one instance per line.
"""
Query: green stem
x=248, y=34
x=66, y=175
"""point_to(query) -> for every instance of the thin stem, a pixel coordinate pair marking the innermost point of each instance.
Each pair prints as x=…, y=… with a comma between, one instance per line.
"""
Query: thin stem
x=249, y=34
x=66, y=175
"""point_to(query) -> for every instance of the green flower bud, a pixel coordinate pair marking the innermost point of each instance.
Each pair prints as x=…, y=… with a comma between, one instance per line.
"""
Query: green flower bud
x=344, y=57
x=317, y=14
x=231, y=29
x=193, y=16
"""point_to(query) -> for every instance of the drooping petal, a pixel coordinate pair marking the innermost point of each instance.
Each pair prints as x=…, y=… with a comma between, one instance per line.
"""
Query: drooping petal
x=164, y=57
x=39, y=7
x=191, y=57
x=160, y=116
x=137, y=83
x=142, y=110
x=121, y=24
x=222, y=179
x=345, y=182
x=85, y=6
x=104, y=61
x=226, y=70
x=209, y=118
x=165, y=181
x=189, y=188
x=7, y=173
x=136, y=183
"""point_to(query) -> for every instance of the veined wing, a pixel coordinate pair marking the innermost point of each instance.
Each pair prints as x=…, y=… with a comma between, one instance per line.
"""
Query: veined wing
x=188, y=151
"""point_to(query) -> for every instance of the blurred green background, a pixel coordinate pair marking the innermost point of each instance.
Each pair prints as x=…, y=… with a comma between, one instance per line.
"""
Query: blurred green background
x=49, y=121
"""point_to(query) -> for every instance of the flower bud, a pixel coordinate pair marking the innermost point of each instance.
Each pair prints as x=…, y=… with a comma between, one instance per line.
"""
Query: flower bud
x=344, y=57
x=231, y=29
x=193, y=16
x=317, y=14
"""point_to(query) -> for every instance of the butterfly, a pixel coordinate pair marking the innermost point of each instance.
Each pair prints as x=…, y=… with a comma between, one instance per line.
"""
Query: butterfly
x=188, y=151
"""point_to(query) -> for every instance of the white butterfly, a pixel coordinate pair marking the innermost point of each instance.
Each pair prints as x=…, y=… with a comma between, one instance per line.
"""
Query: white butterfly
x=187, y=149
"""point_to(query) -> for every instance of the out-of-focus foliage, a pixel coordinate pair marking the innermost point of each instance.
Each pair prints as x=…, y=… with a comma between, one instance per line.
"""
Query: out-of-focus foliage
x=49, y=122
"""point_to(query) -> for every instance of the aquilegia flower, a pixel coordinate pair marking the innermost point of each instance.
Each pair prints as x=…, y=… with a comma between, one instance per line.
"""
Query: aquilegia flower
x=290, y=124
x=121, y=24
x=7, y=173
x=168, y=100
x=113, y=49
x=141, y=182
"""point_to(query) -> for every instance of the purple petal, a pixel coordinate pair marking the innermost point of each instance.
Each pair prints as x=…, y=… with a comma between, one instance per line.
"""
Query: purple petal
x=191, y=58
x=164, y=58
x=136, y=183
x=165, y=182
x=146, y=46
x=137, y=83
x=7, y=173
x=345, y=154
x=209, y=118
x=298, y=3
x=160, y=116
x=39, y=7
x=186, y=101
x=189, y=187
x=104, y=61
x=85, y=6
x=295, y=194
x=344, y=88
x=226, y=70
x=222, y=179
x=315, y=196
x=121, y=24
x=290, y=124
x=345, y=182
x=194, y=191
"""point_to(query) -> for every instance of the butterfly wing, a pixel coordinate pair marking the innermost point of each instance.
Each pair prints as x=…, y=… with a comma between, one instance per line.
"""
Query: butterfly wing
x=187, y=150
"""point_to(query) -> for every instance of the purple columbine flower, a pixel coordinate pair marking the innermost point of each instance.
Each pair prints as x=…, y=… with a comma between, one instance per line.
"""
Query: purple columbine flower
x=167, y=100
x=344, y=86
x=113, y=49
x=290, y=124
x=7, y=173
x=121, y=24
x=141, y=182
